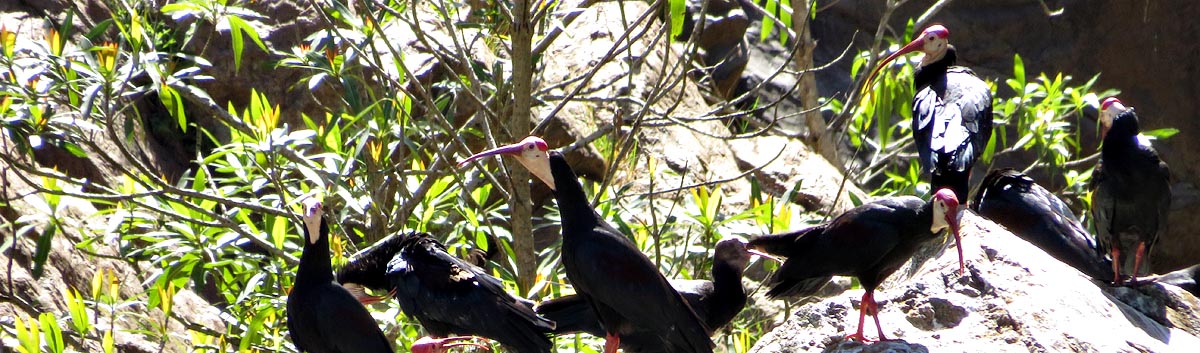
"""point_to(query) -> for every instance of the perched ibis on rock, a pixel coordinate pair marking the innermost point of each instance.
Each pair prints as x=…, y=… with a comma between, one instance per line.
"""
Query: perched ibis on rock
x=952, y=111
x=1131, y=190
x=1013, y=200
x=447, y=295
x=716, y=302
x=322, y=316
x=869, y=242
x=605, y=267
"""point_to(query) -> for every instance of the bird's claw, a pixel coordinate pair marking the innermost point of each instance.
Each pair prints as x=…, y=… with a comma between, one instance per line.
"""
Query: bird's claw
x=858, y=336
x=441, y=345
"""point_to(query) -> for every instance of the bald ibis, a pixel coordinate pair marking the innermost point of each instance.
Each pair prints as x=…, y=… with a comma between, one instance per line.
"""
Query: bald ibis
x=1013, y=200
x=447, y=295
x=627, y=291
x=322, y=316
x=1131, y=191
x=716, y=302
x=952, y=111
x=869, y=242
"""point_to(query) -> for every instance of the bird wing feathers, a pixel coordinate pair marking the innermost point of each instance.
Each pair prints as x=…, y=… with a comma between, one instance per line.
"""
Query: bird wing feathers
x=952, y=120
x=330, y=313
x=618, y=273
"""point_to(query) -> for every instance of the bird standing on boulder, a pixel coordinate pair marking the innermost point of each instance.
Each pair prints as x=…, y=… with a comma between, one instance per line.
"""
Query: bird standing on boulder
x=1011, y=199
x=952, y=111
x=869, y=242
x=322, y=316
x=445, y=294
x=1131, y=190
x=716, y=302
x=622, y=285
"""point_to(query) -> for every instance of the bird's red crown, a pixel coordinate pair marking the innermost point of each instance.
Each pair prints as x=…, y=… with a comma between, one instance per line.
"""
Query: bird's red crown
x=937, y=30
x=1108, y=102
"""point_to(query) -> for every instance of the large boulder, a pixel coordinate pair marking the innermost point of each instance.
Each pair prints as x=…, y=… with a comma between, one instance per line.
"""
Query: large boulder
x=1139, y=46
x=1013, y=298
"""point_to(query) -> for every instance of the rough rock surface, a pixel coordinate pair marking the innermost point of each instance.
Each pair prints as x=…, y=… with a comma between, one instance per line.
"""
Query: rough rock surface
x=1140, y=47
x=695, y=150
x=1013, y=298
x=68, y=267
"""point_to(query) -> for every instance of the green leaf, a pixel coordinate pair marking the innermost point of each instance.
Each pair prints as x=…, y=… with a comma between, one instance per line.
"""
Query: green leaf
x=678, y=10
x=42, y=251
x=52, y=332
x=768, y=22
x=785, y=16
x=1161, y=134
x=174, y=104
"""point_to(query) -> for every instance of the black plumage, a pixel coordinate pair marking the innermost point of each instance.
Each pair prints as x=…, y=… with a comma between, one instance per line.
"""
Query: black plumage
x=624, y=287
x=952, y=111
x=322, y=316
x=1131, y=191
x=716, y=302
x=447, y=295
x=1013, y=200
x=869, y=242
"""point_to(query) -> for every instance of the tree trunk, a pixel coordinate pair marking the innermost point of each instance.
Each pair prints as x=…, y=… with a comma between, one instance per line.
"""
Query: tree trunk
x=818, y=137
x=518, y=127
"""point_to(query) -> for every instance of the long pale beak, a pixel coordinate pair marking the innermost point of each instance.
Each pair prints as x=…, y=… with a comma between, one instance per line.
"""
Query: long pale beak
x=1103, y=131
x=953, y=222
x=764, y=255
x=513, y=149
x=908, y=48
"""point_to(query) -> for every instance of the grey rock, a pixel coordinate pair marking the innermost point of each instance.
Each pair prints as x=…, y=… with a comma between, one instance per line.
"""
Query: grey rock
x=1013, y=298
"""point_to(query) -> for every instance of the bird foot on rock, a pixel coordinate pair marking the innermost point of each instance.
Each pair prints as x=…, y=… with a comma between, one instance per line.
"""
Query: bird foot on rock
x=441, y=345
x=858, y=336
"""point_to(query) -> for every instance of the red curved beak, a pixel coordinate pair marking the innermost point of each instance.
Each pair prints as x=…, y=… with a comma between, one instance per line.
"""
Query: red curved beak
x=506, y=149
x=912, y=46
x=953, y=222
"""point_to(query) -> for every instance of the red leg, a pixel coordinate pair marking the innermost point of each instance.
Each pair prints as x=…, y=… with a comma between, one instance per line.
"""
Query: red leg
x=611, y=343
x=1137, y=260
x=868, y=302
x=1116, y=261
x=875, y=314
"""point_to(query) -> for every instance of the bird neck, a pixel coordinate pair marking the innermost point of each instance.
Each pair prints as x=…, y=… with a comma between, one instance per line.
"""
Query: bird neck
x=925, y=218
x=314, y=261
x=573, y=205
x=728, y=292
x=369, y=267
x=927, y=74
x=1124, y=130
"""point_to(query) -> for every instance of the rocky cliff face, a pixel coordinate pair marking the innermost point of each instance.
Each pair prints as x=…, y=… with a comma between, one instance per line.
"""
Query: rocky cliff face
x=1013, y=298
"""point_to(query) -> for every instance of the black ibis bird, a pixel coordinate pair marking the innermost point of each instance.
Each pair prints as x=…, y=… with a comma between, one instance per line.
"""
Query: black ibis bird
x=447, y=295
x=322, y=316
x=716, y=302
x=627, y=291
x=1131, y=190
x=1013, y=200
x=952, y=111
x=869, y=242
